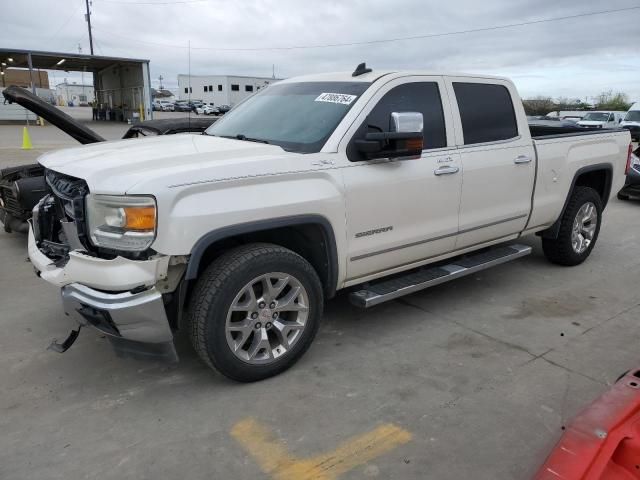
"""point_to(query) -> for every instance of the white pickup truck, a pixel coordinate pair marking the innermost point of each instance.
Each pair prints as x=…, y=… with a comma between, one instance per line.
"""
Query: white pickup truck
x=383, y=183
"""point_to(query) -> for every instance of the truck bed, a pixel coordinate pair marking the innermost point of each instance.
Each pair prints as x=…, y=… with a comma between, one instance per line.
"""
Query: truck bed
x=548, y=131
x=561, y=154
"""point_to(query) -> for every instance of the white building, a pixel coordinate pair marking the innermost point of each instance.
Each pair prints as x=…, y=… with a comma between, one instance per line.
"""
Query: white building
x=75, y=93
x=220, y=89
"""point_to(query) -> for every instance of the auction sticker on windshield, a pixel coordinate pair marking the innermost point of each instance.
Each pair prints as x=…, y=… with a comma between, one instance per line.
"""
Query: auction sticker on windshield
x=341, y=98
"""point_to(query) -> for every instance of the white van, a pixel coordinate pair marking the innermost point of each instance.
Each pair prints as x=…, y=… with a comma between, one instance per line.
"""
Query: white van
x=632, y=121
x=602, y=119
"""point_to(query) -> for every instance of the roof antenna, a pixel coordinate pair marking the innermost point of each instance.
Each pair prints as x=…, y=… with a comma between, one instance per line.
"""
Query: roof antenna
x=361, y=70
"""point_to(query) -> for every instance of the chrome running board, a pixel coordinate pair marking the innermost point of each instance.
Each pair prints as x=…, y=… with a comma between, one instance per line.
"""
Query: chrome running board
x=387, y=289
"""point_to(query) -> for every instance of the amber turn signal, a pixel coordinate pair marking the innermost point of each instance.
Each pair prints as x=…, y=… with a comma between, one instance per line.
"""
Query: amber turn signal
x=414, y=144
x=140, y=218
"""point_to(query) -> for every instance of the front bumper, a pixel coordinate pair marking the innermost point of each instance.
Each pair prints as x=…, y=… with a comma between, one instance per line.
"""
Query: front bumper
x=135, y=322
x=137, y=316
x=118, y=274
x=118, y=297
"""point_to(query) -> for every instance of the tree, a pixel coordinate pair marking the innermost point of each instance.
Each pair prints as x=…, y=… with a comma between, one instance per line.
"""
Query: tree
x=538, y=106
x=564, y=103
x=610, y=101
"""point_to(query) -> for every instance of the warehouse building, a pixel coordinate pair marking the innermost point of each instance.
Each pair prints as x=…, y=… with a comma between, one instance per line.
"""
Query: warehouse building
x=121, y=87
x=22, y=77
x=220, y=89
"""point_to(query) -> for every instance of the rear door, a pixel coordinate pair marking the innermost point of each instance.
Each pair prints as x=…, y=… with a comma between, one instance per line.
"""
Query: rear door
x=498, y=159
x=402, y=211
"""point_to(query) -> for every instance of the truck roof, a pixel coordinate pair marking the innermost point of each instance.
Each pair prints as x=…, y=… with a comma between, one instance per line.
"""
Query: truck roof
x=376, y=74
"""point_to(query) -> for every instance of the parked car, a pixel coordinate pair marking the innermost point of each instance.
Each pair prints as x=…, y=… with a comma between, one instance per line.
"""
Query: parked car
x=631, y=121
x=321, y=183
x=21, y=187
x=602, y=119
x=156, y=107
x=182, y=107
x=222, y=109
x=206, y=110
x=166, y=105
x=632, y=182
x=571, y=115
x=553, y=125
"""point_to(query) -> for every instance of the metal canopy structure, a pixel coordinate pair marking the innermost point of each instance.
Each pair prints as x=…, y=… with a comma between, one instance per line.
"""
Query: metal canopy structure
x=122, y=85
x=70, y=62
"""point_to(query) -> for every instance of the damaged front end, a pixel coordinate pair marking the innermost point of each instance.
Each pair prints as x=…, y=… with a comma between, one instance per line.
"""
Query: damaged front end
x=20, y=190
x=125, y=299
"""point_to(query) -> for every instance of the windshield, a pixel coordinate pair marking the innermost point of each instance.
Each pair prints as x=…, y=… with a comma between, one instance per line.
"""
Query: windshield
x=633, y=116
x=299, y=117
x=596, y=116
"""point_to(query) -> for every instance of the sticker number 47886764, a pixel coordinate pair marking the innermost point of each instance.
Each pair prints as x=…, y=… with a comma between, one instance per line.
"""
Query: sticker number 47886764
x=341, y=98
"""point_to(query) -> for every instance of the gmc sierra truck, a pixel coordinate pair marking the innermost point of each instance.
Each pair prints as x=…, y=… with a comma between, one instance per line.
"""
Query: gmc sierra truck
x=383, y=183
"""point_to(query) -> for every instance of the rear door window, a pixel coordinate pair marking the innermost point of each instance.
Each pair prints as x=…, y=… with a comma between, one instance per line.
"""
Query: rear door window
x=486, y=112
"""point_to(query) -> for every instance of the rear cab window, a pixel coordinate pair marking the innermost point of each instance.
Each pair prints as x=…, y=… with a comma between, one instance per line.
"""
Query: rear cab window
x=486, y=112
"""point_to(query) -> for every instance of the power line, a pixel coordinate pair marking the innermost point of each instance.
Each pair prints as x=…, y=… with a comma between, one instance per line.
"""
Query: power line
x=64, y=24
x=386, y=40
x=172, y=2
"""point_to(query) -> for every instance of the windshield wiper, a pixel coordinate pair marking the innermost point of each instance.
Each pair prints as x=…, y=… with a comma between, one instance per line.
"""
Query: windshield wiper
x=241, y=136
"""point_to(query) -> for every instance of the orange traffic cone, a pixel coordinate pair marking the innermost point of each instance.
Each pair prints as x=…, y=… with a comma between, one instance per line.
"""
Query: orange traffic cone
x=26, y=140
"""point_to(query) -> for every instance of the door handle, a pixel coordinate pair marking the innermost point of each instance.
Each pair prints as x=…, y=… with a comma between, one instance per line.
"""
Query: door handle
x=522, y=159
x=448, y=170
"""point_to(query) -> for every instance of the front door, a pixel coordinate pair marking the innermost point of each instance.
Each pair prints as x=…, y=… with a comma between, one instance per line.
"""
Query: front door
x=402, y=211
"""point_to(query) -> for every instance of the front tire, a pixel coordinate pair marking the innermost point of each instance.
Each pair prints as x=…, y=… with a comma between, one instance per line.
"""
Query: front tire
x=255, y=311
x=579, y=229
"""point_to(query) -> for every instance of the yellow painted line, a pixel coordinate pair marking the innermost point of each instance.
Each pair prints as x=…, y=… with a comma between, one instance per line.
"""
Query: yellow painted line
x=274, y=459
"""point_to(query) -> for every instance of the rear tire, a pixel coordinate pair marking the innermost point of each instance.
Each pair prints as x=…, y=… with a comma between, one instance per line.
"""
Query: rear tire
x=622, y=196
x=579, y=229
x=255, y=311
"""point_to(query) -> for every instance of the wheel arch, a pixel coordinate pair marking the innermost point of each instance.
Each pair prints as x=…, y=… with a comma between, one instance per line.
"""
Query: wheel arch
x=295, y=232
x=599, y=177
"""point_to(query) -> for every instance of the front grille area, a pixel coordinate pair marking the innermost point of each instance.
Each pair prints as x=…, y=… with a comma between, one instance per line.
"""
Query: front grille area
x=68, y=193
x=65, y=203
x=65, y=186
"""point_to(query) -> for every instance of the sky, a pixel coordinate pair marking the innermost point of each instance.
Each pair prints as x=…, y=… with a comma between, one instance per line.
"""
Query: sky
x=578, y=57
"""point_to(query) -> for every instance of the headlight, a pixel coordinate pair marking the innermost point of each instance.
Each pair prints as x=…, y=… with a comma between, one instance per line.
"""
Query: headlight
x=121, y=222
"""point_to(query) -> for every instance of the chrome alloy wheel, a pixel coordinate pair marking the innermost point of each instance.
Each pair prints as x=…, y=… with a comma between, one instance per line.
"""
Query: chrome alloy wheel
x=266, y=318
x=584, y=227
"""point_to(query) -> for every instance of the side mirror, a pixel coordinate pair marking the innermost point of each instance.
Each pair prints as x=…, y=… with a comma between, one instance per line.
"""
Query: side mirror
x=404, y=138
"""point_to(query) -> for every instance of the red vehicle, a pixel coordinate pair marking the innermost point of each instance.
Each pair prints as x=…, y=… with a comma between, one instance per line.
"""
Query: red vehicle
x=603, y=441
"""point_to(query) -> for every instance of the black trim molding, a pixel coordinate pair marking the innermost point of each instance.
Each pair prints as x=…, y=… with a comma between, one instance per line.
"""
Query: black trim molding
x=553, y=230
x=433, y=239
x=262, y=225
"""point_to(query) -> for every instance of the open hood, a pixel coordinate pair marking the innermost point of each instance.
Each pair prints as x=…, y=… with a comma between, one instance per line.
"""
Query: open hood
x=51, y=114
